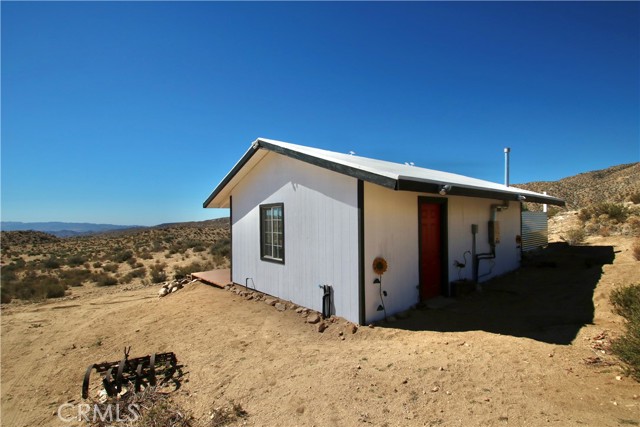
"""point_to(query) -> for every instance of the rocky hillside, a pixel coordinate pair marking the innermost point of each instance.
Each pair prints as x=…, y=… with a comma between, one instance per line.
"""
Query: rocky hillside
x=28, y=237
x=615, y=184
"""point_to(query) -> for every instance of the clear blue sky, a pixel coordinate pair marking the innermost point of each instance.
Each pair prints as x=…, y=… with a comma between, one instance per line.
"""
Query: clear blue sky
x=131, y=113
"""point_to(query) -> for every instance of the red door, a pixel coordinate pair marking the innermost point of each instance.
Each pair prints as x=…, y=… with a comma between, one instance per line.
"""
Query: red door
x=430, y=250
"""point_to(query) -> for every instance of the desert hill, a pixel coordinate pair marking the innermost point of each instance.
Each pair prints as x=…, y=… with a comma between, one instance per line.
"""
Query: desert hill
x=615, y=185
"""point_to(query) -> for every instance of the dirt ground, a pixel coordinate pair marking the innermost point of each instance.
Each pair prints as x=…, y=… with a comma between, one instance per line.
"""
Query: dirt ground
x=529, y=350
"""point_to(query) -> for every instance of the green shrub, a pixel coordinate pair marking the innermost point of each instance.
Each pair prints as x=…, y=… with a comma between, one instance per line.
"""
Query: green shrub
x=51, y=264
x=37, y=287
x=221, y=247
x=74, y=277
x=626, y=303
x=104, y=279
x=55, y=290
x=76, y=260
x=122, y=256
x=182, y=272
x=138, y=273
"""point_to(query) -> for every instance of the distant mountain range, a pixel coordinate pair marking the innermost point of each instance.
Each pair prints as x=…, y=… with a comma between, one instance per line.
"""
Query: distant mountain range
x=63, y=229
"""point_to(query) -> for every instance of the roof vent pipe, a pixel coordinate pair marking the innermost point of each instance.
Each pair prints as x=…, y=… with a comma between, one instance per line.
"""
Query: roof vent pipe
x=507, y=150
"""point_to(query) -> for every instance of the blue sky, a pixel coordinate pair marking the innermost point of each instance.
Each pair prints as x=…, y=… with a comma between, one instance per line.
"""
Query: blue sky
x=131, y=113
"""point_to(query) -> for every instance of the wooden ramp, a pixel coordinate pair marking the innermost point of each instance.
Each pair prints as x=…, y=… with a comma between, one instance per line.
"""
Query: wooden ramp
x=218, y=278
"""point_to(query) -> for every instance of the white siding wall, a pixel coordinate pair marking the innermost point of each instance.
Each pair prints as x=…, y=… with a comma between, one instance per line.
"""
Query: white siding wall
x=321, y=233
x=464, y=211
x=391, y=231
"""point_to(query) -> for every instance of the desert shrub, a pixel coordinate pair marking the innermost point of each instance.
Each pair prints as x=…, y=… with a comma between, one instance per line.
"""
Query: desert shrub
x=221, y=247
x=122, y=256
x=104, y=279
x=55, y=290
x=636, y=249
x=635, y=198
x=110, y=268
x=613, y=211
x=5, y=296
x=604, y=231
x=553, y=211
x=74, y=277
x=97, y=264
x=225, y=415
x=138, y=273
x=626, y=303
x=158, y=274
x=76, y=260
x=146, y=255
x=36, y=287
x=51, y=263
x=182, y=272
x=575, y=236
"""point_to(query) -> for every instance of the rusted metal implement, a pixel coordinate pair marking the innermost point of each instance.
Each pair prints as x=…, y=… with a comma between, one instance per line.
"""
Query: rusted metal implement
x=139, y=371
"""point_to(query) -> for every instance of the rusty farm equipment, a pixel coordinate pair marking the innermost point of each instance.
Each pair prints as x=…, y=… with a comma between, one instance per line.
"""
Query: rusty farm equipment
x=139, y=371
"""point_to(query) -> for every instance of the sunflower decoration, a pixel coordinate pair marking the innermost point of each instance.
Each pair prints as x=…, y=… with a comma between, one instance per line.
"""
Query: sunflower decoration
x=379, y=266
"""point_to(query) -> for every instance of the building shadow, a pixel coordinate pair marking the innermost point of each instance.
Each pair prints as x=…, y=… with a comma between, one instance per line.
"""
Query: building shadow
x=549, y=299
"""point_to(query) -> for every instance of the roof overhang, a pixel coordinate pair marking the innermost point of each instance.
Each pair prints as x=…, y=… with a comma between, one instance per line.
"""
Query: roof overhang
x=457, y=184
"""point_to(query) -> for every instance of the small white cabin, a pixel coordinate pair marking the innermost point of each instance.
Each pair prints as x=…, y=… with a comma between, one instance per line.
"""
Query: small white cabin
x=303, y=218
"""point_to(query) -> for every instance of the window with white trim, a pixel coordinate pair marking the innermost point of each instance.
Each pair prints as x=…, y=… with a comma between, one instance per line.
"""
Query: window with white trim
x=272, y=232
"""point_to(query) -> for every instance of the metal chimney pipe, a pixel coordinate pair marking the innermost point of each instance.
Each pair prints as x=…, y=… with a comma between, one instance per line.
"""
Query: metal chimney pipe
x=507, y=150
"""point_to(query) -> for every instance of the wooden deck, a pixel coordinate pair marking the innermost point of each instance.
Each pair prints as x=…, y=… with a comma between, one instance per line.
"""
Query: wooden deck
x=218, y=278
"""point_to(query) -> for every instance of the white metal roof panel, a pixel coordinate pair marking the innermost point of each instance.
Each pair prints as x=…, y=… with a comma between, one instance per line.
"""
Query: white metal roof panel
x=390, y=174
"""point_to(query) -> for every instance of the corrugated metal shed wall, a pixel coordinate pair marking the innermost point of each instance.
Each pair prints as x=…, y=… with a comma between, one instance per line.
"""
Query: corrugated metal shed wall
x=535, y=233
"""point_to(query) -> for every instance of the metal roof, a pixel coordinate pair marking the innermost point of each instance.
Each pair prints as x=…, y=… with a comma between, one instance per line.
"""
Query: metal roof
x=396, y=176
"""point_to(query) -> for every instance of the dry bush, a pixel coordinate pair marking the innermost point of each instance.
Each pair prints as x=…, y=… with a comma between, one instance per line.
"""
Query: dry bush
x=104, y=279
x=182, y=272
x=626, y=303
x=148, y=408
x=636, y=249
x=222, y=416
x=158, y=274
x=602, y=212
x=574, y=236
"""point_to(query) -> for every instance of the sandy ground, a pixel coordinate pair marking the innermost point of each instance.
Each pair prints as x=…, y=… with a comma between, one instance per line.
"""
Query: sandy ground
x=512, y=355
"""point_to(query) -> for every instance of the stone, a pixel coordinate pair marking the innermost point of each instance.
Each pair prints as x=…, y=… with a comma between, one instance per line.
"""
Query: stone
x=163, y=292
x=299, y=310
x=322, y=327
x=313, y=318
x=280, y=306
x=174, y=289
x=270, y=301
x=352, y=328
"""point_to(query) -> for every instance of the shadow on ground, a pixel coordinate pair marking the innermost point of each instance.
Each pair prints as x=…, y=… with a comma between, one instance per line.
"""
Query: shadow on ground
x=549, y=299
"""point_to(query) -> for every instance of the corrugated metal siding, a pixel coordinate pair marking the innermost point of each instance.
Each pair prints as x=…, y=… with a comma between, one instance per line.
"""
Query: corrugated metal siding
x=535, y=233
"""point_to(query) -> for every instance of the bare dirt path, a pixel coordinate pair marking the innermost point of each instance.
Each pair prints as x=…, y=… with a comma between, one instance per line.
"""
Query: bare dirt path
x=512, y=369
